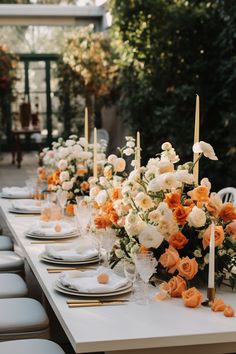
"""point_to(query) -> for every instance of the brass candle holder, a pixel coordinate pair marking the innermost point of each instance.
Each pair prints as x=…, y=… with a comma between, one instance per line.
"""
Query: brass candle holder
x=210, y=297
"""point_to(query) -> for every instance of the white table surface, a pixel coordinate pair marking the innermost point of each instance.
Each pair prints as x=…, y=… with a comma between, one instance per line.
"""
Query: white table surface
x=167, y=326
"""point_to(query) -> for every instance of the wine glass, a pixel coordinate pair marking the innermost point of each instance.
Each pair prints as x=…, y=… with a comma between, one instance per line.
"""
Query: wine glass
x=108, y=239
x=62, y=199
x=130, y=273
x=145, y=265
x=83, y=212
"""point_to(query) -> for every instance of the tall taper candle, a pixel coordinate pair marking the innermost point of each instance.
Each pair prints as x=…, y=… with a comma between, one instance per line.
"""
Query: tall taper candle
x=138, y=151
x=196, y=139
x=86, y=129
x=95, y=166
x=211, y=272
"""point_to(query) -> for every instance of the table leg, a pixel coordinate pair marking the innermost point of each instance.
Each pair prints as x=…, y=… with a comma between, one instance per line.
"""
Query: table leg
x=18, y=151
x=13, y=149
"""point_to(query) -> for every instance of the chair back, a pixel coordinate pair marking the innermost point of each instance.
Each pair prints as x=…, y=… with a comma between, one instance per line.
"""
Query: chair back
x=228, y=194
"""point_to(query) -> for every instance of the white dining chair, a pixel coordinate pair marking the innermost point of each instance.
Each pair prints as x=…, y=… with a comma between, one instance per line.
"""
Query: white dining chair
x=30, y=346
x=6, y=243
x=12, y=285
x=11, y=262
x=228, y=194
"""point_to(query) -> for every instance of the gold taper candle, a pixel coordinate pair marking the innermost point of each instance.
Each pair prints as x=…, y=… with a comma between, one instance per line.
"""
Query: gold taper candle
x=196, y=139
x=86, y=129
x=138, y=151
x=95, y=167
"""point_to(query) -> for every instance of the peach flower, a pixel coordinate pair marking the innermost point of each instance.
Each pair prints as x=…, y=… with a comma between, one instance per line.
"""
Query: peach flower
x=170, y=259
x=178, y=240
x=214, y=205
x=164, y=293
x=70, y=209
x=116, y=194
x=192, y=297
x=84, y=186
x=231, y=229
x=181, y=213
x=228, y=311
x=187, y=267
x=219, y=236
x=176, y=286
x=218, y=305
x=228, y=212
x=102, y=222
x=199, y=194
x=173, y=199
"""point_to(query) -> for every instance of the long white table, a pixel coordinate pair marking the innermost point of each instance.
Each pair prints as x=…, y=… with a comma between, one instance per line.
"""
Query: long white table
x=161, y=327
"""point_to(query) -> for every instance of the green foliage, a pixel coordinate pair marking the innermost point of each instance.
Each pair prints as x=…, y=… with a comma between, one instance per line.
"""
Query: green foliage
x=171, y=50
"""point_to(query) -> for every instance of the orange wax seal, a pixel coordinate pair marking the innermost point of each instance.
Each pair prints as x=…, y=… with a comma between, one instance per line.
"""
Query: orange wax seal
x=57, y=227
x=218, y=305
x=228, y=311
x=103, y=278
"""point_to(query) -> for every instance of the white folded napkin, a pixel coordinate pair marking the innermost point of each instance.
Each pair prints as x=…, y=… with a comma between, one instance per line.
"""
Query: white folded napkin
x=44, y=228
x=86, y=282
x=16, y=191
x=80, y=250
x=27, y=204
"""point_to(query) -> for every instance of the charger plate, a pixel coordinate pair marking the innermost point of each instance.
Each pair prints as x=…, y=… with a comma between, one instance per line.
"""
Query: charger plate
x=46, y=258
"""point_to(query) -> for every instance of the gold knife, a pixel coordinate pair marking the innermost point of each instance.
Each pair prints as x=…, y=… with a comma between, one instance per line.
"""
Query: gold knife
x=69, y=302
x=92, y=304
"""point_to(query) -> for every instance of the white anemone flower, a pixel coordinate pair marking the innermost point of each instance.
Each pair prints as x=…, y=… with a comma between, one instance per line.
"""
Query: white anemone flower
x=205, y=149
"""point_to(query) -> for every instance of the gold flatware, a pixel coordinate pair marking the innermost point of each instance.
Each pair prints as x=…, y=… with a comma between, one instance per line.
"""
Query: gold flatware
x=84, y=301
x=59, y=270
x=93, y=304
x=51, y=241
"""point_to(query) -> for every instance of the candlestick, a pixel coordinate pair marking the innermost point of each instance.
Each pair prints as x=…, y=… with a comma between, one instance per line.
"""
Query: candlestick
x=211, y=272
x=196, y=139
x=138, y=151
x=95, y=167
x=86, y=129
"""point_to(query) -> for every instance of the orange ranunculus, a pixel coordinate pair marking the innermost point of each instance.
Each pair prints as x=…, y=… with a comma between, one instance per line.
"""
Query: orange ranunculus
x=107, y=207
x=228, y=311
x=218, y=305
x=181, y=214
x=178, y=240
x=199, y=194
x=219, y=236
x=113, y=217
x=81, y=171
x=173, y=199
x=84, y=186
x=55, y=176
x=42, y=174
x=116, y=193
x=228, y=212
x=50, y=180
x=231, y=229
x=70, y=209
x=214, y=205
x=189, y=202
x=192, y=297
x=102, y=222
x=187, y=267
x=170, y=259
x=176, y=286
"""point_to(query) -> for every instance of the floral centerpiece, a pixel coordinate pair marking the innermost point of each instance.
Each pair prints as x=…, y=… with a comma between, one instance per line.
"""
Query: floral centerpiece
x=67, y=166
x=162, y=209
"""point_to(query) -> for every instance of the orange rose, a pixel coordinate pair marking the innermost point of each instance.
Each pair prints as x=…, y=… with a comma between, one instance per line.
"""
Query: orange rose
x=116, y=194
x=81, y=171
x=192, y=297
x=181, y=214
x=228, y=311
x=189, y=203
x=70, y=209
x=178, y=240
x=219, y=236
x=102, y=222
x=84, y=186
x=218, y=305
x=199, y=194
x=113, y=217
x=170, y=259
x=173, y=199
x=176, y=286
x=231, y=229
x=214, y=205
x=187, y=267
x=228, y=212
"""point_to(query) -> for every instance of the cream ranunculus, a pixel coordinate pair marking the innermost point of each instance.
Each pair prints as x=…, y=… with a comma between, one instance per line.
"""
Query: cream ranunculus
x=64, y=176
x=62, y=165
x=197, y=217
x=165, y=166
x=112, y=159
x=67, y=185
x=143, y=201
x=184, y=176
x=155, y=185
x=101, y=197
x=205, y=149
x=93, y=192
x=150, y=237
x=134, y=229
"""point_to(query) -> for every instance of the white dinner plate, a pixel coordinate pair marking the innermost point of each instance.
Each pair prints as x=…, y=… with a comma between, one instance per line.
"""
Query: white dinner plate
x=11, y=196
x=54, y=237
x=63, y=289
x=46, y=258
x=23, y=211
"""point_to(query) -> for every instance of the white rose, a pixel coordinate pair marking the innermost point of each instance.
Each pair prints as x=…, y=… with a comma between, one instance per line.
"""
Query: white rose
x=154, y=216
x=82, y=141
x=62, y=165
x=63, y=152
x=64, y=176
x=132, y=218
x=70, y=142
x=184, y=176
x=112, y=159
x=155, y=185
x=150, y=237
x=143, y=201
x=94, y=191
x=104, y=182
x=67, y=185
x=134, y=229
x=205, y=149
x=169, y=181
x=85, y=155
x=165, y=166
x=197, y=217
x=101, y=197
